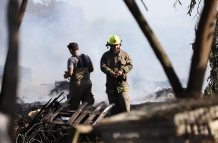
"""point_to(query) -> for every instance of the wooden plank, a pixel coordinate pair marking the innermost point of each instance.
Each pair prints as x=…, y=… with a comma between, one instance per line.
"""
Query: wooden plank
x=58, y=123
x=73, y=117
x=69, y=114
x=35, y=118
x=42, y=110
x=65, y=114
x=68, y=110
x=62, y=122
x=96, y=123
x=52, y=116
x=94, y=113
x=46, y=116
x=84, y=113
x=80, y=117
x=52, y=103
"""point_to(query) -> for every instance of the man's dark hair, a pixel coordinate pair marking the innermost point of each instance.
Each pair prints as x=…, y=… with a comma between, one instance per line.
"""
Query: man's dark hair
x=73, y=46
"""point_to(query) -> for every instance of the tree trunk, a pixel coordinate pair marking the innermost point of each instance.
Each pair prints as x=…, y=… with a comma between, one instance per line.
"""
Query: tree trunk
x=9, y=84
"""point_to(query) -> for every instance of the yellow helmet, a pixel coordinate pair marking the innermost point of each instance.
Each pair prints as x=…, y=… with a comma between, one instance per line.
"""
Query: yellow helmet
x=114, y=39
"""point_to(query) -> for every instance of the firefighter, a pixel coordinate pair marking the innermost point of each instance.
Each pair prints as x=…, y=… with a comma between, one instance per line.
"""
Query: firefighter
x=116, y=63
x=79, y=68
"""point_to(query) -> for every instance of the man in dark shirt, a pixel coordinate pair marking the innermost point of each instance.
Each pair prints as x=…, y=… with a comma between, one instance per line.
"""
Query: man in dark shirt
x=79, y=68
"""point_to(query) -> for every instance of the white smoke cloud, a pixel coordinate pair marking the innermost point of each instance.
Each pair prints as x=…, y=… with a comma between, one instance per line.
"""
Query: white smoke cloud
x=43, y=44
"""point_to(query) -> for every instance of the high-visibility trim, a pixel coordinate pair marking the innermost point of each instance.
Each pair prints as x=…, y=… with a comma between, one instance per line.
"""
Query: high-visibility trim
x=110, y=91
x=126, y=68
x=107, y=69
x=122, y=89
x=115, y=69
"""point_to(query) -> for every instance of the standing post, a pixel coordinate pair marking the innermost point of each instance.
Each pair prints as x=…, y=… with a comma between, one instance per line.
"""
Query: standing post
x=9, y=84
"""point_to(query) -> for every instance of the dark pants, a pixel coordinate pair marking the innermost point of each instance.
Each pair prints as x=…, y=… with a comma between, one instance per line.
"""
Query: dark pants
x=80, y=91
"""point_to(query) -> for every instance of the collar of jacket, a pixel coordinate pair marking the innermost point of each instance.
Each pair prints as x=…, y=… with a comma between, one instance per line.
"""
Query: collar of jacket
x=114, y=52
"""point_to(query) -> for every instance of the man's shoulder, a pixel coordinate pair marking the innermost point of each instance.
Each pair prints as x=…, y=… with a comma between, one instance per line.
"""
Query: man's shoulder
x=106, y=53
x=78, y=56
x=72, y=59
x=85, y=55
x=123, y=52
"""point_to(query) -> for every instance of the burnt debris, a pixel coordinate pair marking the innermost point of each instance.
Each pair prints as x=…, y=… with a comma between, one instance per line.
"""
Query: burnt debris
x=53, y=121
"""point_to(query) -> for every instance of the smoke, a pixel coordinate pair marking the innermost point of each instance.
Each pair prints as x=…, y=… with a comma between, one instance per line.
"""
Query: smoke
x=46, y=30
x=1, y=71
x=24, y=74
x=27, y=91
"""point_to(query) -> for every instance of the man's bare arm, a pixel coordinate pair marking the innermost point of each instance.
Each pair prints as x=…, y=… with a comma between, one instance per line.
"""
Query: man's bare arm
x=69, y=73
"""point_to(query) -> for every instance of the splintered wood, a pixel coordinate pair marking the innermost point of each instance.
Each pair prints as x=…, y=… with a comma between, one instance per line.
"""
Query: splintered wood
x=83, y=115
x=57, y=120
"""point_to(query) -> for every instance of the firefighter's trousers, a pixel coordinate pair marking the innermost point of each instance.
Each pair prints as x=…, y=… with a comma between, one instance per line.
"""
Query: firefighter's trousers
x=80, y=91
x=121, y=100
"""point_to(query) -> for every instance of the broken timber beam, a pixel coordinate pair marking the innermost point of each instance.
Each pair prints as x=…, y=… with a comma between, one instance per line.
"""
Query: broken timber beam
x=52, y=116
x=76, y=114
x=96, y=123
x=83, y=114
x=94, y=113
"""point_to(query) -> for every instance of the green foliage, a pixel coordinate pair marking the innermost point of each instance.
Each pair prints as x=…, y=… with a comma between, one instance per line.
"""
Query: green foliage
x=212, y=80
x=213, y=64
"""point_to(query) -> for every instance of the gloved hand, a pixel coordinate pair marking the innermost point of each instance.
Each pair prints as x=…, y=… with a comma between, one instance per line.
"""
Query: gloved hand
x=119, y=73
x=113, y=74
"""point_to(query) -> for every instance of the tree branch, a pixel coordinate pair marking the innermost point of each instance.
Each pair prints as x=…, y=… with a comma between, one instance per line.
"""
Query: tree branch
x=21, y=12
x=158, y=50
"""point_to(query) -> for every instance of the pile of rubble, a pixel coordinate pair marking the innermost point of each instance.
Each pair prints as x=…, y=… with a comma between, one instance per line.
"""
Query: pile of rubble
x=53, y=121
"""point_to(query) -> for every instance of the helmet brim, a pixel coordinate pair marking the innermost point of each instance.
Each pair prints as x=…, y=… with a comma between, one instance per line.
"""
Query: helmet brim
x=114, y=44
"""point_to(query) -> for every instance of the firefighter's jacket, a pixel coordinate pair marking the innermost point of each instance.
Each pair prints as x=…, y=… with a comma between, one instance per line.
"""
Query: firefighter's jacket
x=114, y=62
